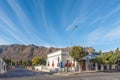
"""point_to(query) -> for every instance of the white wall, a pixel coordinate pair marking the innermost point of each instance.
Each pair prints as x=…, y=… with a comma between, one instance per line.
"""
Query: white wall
x=2, y=66
x=53, y=57
x=41, y=68
x=55, y=60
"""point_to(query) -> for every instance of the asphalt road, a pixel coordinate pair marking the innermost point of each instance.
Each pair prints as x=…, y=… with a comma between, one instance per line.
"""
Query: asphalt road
x=20, y=72
x=23, y=74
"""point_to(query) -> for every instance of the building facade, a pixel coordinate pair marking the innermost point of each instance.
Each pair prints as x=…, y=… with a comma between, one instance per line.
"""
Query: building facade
x=62, y=59
x=57, y=59
x=2, y=66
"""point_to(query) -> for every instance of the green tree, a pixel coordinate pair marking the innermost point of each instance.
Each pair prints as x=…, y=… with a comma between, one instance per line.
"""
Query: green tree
x=113, y=58
x=27, y=63
x=117, y=50
x=111, y=52
x=12, y=63
x=103, y=58
x=110, y=58
x=100, y=52
x=78, y=53
x=20, y=62
x=35, y=61
x=9, y=62
x=118, y=56
x=106, y=58
x=95, y=60
x=42, y=61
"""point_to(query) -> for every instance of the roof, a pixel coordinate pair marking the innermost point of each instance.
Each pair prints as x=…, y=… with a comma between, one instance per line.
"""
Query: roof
x=59, y=52
x=92, y=55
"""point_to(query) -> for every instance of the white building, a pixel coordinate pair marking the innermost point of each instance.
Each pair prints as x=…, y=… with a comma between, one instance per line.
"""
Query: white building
x=62, y=59
x=59, y=59
x=2, y=66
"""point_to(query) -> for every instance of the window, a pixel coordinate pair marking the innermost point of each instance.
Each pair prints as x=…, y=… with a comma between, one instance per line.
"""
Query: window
x=53, y=64
x=48, y=63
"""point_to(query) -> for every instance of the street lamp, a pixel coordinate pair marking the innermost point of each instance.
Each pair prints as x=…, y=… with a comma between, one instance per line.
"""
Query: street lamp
x=71, y=35
x=71, y=44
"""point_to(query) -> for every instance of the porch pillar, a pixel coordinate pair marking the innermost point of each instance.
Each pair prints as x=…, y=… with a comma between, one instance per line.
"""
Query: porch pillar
x=108, y=67
x=73, y=66
x=87, y=66
x=87, y=63
x=96, y=66
x=102, y=67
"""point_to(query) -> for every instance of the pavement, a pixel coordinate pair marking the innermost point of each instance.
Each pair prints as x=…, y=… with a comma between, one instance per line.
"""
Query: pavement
x=86, y=72
x=24, y=74
x=74, y=73
x=21, y=72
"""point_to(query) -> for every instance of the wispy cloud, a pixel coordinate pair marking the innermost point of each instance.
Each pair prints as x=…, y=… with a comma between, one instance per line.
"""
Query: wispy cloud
x=3, y=42
x=77, y=21
x=102, y=36
x=84, y=13
x=56, y=46
x=113, y=34
x=26, y=25
x=21, y=15
x=95, y=20
x=116, y=9
x=109, y=14
x=94, y=36
x=81, y=14
x=10, y=28
x=44, y=17
x=71, y=26
x=49, y=45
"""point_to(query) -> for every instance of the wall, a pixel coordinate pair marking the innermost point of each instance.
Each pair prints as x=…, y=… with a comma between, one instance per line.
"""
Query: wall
x=2, y=66
x=56, y=58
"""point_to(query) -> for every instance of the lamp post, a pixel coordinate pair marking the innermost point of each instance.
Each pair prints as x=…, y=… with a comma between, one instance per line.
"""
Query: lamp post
x=71, y=35
x=72, y=46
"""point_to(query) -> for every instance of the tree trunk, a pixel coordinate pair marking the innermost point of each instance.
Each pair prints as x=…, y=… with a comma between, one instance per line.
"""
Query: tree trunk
x=88, y=66
x=80, y=68
x=96, y=66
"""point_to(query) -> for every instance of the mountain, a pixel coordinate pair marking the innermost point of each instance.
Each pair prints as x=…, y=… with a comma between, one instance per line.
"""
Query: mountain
x=27, y=52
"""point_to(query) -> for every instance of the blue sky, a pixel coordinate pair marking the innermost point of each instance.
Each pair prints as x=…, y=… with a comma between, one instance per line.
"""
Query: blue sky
x=49, y=23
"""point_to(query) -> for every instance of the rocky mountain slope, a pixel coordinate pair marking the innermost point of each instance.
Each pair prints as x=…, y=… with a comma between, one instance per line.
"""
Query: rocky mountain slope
x=23, y=52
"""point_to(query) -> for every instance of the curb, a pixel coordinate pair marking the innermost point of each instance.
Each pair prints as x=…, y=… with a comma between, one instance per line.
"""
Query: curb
x=76, y=73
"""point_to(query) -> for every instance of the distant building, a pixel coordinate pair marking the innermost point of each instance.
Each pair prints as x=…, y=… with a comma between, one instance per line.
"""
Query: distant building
x=62, y=59
x=89, y=65
x=2, y=66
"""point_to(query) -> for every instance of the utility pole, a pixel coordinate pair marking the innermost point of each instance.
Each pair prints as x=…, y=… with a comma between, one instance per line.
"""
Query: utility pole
x=71, y=40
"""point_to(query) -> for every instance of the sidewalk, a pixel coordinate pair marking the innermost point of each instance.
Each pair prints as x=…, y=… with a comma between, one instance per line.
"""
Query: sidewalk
x=74, y=73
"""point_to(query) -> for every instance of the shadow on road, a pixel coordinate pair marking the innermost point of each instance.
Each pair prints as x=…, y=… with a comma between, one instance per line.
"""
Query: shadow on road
x=110, y=71
x=22, y=73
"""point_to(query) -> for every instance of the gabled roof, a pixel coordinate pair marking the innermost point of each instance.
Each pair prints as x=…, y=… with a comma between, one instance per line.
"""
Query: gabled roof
x=92, y=55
